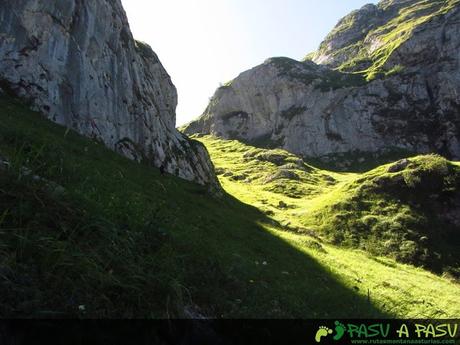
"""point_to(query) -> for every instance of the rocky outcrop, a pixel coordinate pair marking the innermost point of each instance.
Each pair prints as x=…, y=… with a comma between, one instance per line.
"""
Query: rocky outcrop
x=77, y=62
x=387, y=78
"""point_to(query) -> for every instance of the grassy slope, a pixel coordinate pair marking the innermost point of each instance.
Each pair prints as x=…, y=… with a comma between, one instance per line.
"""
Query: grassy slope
x=296, y=202
x=100, y=231
x=402, y=213
x=123, y=241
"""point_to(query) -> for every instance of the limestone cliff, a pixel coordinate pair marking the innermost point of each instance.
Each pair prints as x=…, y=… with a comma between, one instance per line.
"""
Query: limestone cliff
x=386, y=78
x=77, y=62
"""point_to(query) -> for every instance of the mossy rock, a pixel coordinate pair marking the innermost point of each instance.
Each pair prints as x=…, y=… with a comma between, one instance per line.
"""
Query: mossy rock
x=282, y=174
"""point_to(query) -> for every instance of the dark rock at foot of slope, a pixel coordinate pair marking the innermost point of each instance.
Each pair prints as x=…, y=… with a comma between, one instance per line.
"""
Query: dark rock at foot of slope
x=77, y=62
x=386, y=78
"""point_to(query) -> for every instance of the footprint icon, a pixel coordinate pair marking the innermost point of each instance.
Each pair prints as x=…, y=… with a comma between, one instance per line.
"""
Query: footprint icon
x=339, y=330
x=322, y=332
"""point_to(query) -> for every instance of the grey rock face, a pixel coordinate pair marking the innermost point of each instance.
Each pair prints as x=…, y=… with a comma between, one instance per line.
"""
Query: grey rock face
x=312, y=110
x=362, y=21
x=77, y=62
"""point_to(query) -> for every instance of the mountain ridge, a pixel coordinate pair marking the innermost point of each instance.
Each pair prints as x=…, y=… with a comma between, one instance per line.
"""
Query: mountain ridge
x=411, y=104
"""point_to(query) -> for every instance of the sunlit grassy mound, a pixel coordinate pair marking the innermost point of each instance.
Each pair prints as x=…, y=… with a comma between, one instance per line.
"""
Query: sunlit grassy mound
x=275, y=170
x=275, y=181
x=400, y=289
x=409, y=210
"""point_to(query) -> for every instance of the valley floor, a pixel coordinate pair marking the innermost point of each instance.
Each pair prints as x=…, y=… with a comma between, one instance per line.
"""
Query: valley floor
x=87, y=233
x=397, y=289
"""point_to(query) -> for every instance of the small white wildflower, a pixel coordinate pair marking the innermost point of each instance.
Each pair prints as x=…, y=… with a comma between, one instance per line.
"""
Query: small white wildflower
x=81, y=307
x=264, y=263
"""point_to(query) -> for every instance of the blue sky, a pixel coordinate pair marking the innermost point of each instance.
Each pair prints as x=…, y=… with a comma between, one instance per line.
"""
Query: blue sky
x=203, y=43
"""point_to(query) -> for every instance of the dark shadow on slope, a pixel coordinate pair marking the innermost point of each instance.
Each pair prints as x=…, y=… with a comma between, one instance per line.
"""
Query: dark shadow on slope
x=85, y=232
x=282, y=276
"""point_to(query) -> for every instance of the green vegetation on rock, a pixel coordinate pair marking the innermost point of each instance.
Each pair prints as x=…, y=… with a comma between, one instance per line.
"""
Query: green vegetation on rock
x=368, y=53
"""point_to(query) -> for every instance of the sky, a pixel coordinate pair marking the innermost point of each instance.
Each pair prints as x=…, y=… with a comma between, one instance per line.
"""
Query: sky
x=205, y=43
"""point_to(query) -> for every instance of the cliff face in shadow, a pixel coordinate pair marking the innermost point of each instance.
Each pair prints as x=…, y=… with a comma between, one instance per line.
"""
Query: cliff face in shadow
x=77, y=62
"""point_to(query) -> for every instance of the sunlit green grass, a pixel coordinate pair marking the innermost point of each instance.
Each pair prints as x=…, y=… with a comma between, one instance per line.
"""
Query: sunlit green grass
x=401, y=289
x=397, y=288
x=237, y=162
